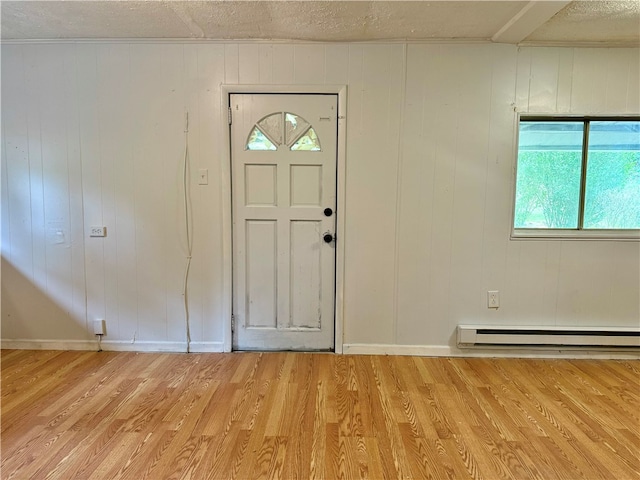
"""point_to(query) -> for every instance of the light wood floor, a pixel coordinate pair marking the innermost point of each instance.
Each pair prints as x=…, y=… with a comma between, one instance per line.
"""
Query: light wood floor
x=90, y=415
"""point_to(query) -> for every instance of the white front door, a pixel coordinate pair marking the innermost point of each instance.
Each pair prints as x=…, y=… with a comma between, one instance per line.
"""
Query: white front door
x=283, y=168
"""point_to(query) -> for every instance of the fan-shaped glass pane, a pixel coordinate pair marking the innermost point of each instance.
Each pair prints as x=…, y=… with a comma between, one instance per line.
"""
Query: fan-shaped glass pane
x=258, y=141
x=309, y=141
x=272, y=126
x=294, y=127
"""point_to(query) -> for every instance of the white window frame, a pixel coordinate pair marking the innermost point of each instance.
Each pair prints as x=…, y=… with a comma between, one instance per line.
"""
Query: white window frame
x=558, y=233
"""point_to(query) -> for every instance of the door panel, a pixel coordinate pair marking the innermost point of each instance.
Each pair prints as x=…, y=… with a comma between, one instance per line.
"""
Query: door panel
x=260, y=185
x=306, y=185
x=283, y=178
x=306, y=274
x=261, y=274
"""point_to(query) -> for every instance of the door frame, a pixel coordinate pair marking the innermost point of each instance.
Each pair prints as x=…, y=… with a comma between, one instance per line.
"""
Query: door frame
x=227, y=201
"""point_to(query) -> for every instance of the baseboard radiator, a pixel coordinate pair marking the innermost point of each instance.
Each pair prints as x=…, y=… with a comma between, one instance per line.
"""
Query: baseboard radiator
x=488, y=336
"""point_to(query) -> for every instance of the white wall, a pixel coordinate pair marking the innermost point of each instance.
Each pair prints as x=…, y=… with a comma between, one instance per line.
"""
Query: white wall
x=93, y=135
x=457, y=186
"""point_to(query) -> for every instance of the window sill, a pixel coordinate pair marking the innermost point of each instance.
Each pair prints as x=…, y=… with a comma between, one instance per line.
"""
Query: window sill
x=559, y=234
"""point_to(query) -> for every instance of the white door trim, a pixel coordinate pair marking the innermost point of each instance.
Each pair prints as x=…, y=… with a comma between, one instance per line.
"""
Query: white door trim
x=227, y=230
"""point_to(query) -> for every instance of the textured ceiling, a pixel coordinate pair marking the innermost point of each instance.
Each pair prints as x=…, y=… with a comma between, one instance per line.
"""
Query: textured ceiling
x=582, y=21
x=589, y=21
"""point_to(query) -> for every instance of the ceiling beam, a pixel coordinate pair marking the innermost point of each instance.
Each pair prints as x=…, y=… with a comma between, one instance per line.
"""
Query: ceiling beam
x=533, y=15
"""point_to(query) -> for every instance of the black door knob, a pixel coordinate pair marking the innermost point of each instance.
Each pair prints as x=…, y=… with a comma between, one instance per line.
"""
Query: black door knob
x=328, y=212
x=327, y=237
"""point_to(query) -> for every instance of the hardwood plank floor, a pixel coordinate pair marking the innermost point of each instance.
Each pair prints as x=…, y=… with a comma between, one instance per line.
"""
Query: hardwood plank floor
x=107, y=415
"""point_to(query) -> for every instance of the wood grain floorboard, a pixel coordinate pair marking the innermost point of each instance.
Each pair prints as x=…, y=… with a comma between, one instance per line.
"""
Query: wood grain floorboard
x=110, y=415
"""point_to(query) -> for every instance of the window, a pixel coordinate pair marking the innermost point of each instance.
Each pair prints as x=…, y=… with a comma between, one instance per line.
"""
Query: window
x=269, y=132
x=578, y=177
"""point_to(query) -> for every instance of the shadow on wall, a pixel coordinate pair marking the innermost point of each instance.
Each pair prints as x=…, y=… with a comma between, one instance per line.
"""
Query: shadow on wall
x=30, y=313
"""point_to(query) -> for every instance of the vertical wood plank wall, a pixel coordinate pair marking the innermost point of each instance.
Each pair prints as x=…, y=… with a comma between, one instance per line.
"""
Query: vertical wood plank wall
x=93, y=134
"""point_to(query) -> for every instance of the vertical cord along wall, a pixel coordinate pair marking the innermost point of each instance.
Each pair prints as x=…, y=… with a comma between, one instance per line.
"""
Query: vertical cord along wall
x=187, y=226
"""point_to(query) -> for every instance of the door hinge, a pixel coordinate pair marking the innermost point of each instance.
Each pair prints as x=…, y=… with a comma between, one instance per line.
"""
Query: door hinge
x=229, y=116
x=233, y=323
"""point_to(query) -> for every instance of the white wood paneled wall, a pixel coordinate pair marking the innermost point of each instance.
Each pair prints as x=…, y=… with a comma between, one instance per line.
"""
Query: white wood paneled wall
x=577, y=283
x=93, y=134
x=457, y=187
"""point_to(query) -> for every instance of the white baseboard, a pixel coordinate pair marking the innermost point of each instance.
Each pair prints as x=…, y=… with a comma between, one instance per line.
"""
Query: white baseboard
x=111, y=345
x=348, y=348
x=206, y=347
x=24, y=344
x=503, y=352
x=142, y=346
x=180, y=347
x=389, y=349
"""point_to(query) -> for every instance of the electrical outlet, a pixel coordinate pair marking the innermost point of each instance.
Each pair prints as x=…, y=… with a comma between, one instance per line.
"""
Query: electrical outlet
x=99, y=327
x=493, y=299
x=98, y=231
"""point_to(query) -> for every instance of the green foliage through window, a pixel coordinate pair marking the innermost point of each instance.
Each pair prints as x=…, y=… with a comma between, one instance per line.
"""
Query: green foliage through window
x=550, y=190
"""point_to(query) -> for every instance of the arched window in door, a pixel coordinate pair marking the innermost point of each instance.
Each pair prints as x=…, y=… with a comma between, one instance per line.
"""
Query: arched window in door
x=283, y=129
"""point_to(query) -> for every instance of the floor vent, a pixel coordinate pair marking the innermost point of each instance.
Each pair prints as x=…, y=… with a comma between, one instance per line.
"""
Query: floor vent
x=485, y=336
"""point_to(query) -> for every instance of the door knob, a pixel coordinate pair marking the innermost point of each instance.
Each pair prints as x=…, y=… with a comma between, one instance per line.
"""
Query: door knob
x=327, y=237
x=328, y=212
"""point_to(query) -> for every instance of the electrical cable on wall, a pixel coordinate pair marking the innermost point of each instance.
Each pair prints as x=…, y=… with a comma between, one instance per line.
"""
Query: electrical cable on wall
x=187, y=224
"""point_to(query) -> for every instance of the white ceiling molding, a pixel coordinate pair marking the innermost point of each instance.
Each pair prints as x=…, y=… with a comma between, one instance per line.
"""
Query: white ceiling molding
x=526, y=21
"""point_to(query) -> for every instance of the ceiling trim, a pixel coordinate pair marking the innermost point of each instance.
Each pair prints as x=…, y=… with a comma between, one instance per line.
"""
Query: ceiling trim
x=533, y=15
x=211, y=41
x=436, y=41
